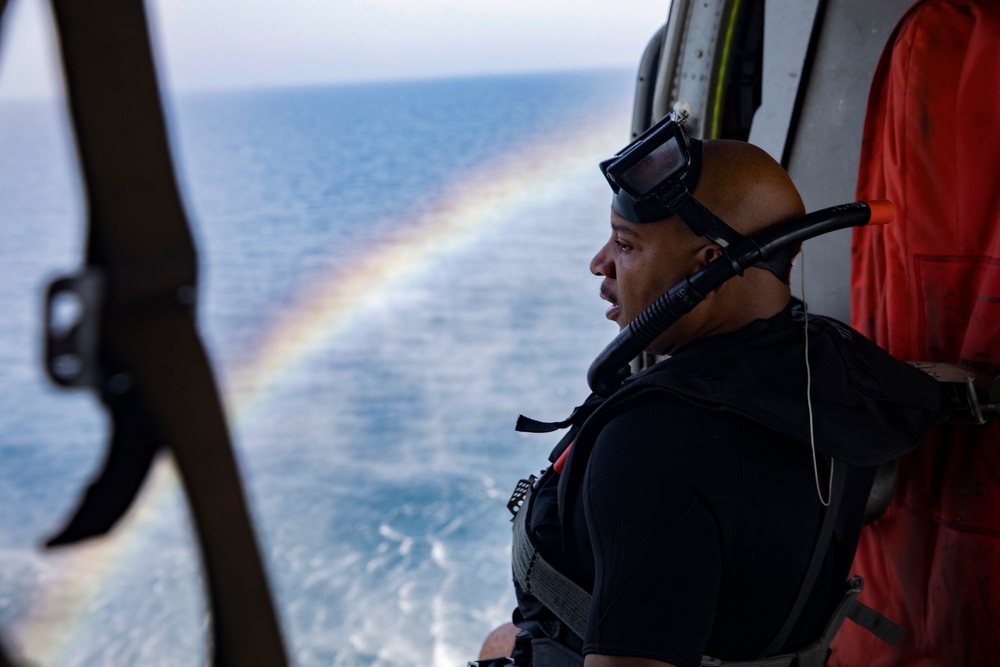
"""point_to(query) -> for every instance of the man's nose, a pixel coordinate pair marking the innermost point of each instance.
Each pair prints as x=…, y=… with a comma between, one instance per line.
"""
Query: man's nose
x=602, y=264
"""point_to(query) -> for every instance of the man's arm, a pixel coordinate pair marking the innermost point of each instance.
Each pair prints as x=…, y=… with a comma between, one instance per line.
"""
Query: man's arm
x=657, y=546
x=500, y=642
x=595, y=660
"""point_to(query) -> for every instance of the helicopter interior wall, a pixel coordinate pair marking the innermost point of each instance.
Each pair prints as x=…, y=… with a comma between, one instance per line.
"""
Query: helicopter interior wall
x=815, y=132
x=825, y=144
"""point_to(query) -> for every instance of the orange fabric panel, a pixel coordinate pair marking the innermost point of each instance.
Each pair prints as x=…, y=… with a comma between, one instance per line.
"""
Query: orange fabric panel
x=927, y=287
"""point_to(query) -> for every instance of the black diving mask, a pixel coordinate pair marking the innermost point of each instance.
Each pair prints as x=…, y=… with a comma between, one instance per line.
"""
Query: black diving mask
x=652, y=171
x=654, y=178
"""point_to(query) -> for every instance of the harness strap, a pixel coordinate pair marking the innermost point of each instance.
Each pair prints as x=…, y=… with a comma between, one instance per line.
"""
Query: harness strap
x=571, y=603
x=820, y=550
x=578, y=416
x=560, y=594
x=529, y=425
x=813, y=655
x=874, y=622
x=567, y=599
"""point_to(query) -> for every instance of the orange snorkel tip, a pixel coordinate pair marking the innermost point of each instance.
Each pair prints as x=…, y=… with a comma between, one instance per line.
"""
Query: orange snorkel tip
x=883, y=211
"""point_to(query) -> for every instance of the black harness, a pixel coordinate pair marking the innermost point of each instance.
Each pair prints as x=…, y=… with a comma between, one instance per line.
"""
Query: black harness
x=873, y=410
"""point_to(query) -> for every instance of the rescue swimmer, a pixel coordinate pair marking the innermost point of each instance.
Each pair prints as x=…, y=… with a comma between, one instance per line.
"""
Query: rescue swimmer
x=705, y=511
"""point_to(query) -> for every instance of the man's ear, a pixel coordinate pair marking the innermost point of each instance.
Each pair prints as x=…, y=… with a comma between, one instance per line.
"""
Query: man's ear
x=708, y=254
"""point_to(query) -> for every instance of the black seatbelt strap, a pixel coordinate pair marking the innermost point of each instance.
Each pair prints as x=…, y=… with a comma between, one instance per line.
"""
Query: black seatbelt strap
x=136, y=341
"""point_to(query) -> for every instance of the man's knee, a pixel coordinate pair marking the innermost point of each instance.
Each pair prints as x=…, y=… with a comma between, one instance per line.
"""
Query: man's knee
x=500, y=642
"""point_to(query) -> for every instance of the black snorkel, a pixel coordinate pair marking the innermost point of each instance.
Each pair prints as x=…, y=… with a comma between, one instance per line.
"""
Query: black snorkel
x=653, y=178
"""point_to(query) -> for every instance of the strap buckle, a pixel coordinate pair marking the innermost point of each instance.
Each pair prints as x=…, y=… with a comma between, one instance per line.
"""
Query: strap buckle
x=519, y=494
x=72, y=328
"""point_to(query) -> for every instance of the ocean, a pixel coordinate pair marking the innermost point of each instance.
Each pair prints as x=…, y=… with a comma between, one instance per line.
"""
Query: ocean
x=390, y=274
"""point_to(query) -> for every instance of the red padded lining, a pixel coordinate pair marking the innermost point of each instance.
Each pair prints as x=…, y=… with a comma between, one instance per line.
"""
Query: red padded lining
x=927, y=287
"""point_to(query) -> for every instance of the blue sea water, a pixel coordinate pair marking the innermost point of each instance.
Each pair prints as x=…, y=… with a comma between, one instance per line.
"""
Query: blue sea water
x=379, y=457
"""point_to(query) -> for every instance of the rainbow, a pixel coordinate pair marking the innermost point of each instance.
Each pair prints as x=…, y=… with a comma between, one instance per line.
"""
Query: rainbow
x=331, y=306
x=58, y=628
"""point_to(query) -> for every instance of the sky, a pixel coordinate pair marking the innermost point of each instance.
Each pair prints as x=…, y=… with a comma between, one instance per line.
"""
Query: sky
x=234, y=44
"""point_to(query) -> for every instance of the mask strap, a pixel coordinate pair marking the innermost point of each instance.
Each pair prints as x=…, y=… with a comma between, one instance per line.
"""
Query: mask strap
x=699, y=219
x=703, y=222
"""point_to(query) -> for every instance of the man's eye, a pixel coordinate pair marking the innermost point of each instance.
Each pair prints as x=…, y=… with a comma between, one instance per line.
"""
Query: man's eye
x=624, y=247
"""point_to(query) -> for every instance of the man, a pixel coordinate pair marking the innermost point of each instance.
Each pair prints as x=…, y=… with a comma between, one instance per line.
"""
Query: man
x=683, y=512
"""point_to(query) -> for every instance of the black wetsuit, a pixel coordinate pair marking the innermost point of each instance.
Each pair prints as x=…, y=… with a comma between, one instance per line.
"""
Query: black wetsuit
x=693, y=523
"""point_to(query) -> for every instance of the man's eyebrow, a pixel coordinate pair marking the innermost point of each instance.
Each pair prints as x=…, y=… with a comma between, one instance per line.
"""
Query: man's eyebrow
x=622, y=229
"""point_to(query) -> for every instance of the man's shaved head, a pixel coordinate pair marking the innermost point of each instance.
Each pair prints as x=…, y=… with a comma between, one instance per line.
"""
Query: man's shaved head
x=745, y=186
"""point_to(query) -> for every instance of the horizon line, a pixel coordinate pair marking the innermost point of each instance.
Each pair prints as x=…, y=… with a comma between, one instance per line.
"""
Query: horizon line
x=167, y=90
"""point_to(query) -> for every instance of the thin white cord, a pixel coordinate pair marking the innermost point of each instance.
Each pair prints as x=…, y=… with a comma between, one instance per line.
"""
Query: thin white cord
x=812, y=434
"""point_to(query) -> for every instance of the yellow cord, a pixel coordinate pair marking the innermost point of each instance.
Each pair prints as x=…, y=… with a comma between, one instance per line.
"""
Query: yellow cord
x=722, y=73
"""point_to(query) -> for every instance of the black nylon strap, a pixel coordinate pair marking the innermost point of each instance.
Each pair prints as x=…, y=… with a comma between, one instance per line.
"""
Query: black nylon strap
x=703, y=222
x=529, y=425
x=560, y=594
x=875, y=622
x=820, y=550
x=139, y=238
x=813, y=655
x=571, y=603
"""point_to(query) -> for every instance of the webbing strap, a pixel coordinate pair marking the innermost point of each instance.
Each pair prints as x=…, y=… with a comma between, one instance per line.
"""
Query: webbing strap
x=529, y=425
x=777, y=661
x=139, y=239
x=703, y=222
x=813, y=655
x=821, y=548
x=571, y=603
x=560, y=594
x=875, y=622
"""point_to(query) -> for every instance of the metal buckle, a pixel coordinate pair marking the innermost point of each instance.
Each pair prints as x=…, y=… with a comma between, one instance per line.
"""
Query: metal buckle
x=72, y=328
x=968, y=407
x=519, y=494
